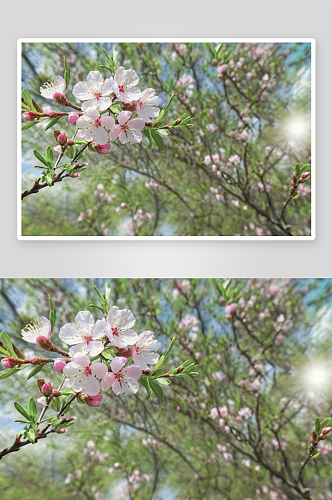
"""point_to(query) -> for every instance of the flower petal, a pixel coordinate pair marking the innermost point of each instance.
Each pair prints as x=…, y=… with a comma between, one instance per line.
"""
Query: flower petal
x=132, y=371
x=114, y=132
x=124, y=116
x=104, y=103
x=94, y=77
x=95, y=347
x=118, y=363
x=130, y=337
x=100, y=135
x=107, y=87
x=107, y=122
x=133, y=94
x=98, y=370
x=99, y=330
x=92, y=113
x=129, y=385
x=72, y=368
x=82, y=91
x=81, y=359
x=84, y=121
x=137, y=124
x=91, y=103
x=107, y=381
x=70, y=335
x=84, y=319
x=78, y=348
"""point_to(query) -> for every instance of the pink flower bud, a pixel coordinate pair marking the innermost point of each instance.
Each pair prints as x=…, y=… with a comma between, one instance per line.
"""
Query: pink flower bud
x=56, y=394
x=28, y=116
x=59, y=365
x=72, y=118
x=231, y=308
x=326, y=430
x=44, y=343
x=93, y=400
x=102, y=149
x=60, y=98
x=9, y=363
x=75, y=174
x=117, y=465
x=305, y=175
x=62, y=431
x=40, y=383
x=47, y=389
x=62, y=139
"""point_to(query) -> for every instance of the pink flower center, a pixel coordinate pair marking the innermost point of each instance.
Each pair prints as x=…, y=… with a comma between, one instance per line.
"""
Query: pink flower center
x=98, y=123
x=98, y=94
x=119, y=376
x=115, y=331
x=88, y=338
x=121, y=89
x=87, y=370
x=125, y=127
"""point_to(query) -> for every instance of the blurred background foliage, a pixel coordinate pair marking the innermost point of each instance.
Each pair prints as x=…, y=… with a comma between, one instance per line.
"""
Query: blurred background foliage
x=267, y=367
x=258, y=110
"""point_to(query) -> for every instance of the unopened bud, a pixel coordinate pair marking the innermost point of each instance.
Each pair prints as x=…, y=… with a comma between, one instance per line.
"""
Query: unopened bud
x=60, y=98
x=72, y=118
x=180, y=369
x=70, y=142
x=9, y=362
x=326, y=430
x=93, y=401
x=312, y=441
x=314, y=435
x=62, y=139
x=56, y=134
x=75, y=174
x=56, y=394
x=28, y=116
x=40, y=383
x=178, y=121
x=293, y=184
x=294, y=179
x=44, y=343
x=305, y=175
x=102, y=149
x=62, y=431
x=59, y=365
x=46, y=389
x=146, y=372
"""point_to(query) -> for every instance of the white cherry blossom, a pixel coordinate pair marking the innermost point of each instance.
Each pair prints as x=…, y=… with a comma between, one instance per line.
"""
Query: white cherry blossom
x=141, y=352
x=119, y=327
x=95, y=128
x=124, y=85
x=121, y=380
x=145, y=106
x=56, y=86
x=83, y=376
x=127, y=131
x=40, y=327
x=95, y=91
x=84, y=335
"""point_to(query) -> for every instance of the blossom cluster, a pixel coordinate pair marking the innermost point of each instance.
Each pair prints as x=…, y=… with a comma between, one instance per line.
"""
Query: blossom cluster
x=87, y=339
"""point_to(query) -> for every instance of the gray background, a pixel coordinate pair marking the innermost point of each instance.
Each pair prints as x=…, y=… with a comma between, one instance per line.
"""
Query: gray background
x=171, y=18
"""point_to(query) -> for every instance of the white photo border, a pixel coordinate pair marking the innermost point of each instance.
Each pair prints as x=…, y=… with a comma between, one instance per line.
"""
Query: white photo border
x=312, y=41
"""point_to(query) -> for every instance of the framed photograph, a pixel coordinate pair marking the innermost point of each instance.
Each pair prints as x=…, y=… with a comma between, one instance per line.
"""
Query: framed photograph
x=166, y=138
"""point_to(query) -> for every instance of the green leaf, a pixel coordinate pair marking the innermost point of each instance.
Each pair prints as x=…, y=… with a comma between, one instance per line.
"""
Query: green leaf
x=29, y=125
x=145, y=381
x=40, y=158
x=22, y=411
x=213, y=50
x=27, y=97
x=317, y=424
x=35, y=370
x=108, y=354
x=97, y=307
x=32, y=409
x=167, y=353
x=52, y=122
x=162, y=131
x=316, y=454
x=158, y=140
x=168, y=104
x=49, y=156
x=115, y=108
x=32, y=435
x=108, y=57
x=49, y=178
x=163, y=381
x=297, y=170
x=326, y=422
x=3, y=351
x=296, y=196
x=8, y=343
x=8, y=373
x=157, y=390
x=56, y=403
x=147, y=133
x=68, y=392
x=37, y=107
x=159, y=117
x=70, y=151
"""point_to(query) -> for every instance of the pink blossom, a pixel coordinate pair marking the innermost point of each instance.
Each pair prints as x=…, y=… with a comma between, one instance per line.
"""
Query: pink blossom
x=102, y=149
x=228, y=457
x=93, y=401
x=72, y=118
x=59, y=365
x=222, y=69
x=128, y=131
